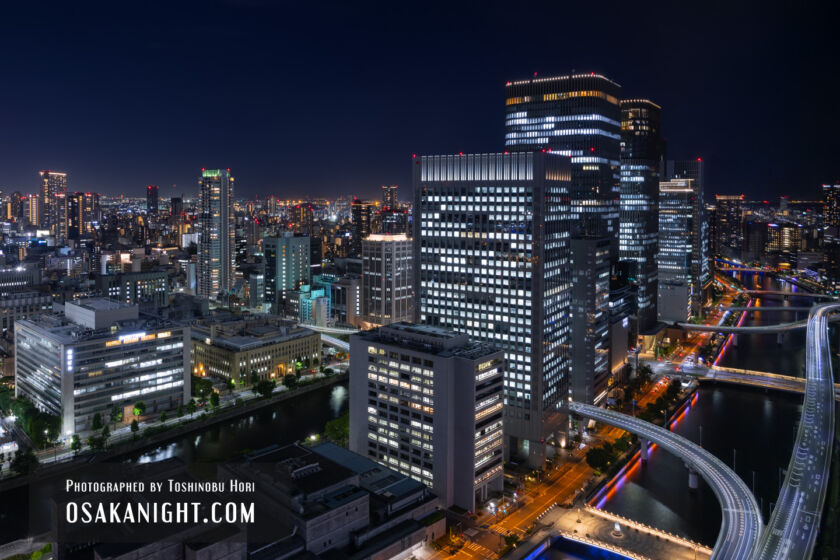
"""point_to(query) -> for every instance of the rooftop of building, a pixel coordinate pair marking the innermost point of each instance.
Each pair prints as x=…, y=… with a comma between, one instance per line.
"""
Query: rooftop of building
x=246, y=332
x=63, y=329
x=429, y=339
x=387, y=237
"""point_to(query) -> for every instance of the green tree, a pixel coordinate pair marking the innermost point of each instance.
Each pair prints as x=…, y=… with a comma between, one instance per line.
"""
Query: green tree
x=214, y=399
x=265, y=388
x=106, y=432
x=180, y=411
x=97, y=422
x=135, y=427
x=231, y=385
x=163, y=417
x=645, y=373
x=338, y=430
x=191, y=407
x=598, y=458
x=6, y=396
x=139, y=408
x=290, y=380
x=96, y=443
x=25, y=461
x=76, y=444
x=255, y=378
x=116, y=415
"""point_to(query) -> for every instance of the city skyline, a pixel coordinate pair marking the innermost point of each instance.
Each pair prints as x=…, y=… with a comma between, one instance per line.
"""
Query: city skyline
x=137, y=118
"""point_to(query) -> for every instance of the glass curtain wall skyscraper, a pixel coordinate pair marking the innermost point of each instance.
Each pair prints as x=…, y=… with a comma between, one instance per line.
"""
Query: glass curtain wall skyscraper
x=577, y=116
x=492, y=261
x=216, y=252
x=641, y=159
x=700, y=264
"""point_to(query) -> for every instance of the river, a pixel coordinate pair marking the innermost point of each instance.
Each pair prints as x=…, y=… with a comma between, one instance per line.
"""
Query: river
x=752, y=428
x=286, y=422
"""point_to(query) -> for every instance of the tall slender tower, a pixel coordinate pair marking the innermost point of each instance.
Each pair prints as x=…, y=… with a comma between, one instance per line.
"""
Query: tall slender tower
x=491, y=260
x=694, y=169
x=216, y=251
x=53, y=199
x=152, y=200
x=641, y=159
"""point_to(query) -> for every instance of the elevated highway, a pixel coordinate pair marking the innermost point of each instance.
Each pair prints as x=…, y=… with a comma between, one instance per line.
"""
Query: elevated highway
x=335, y=342
x=759, y=308
x=741, y=525
x=793, y=526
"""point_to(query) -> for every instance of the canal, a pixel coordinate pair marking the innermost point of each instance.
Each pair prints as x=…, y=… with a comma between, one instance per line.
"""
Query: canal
x=752, y=429
x=286, y=422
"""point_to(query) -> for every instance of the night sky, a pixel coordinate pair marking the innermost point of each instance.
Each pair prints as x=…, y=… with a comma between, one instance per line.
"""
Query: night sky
x=314, y=98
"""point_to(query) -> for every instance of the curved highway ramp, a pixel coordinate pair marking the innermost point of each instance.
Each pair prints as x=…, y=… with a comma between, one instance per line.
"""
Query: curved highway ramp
x=741, y=526
x=792, y=530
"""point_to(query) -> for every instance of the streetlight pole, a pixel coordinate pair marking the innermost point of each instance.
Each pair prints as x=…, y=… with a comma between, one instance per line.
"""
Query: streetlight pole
x=734, y=457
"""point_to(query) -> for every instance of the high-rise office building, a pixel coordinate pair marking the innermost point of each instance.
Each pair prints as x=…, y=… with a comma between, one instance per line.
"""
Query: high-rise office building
x=389, y=197
x=176, y=207
x=491, y=235
x=216, y=251
x=590, y=311
x=694, y=169
x=727, y=236
x=33, y=209
x=387, y=279
x=53, y=199
x=680, y=244
x=303, y=219
x=831, y=212
x=82, y=213
x=577, y=116
x=152, y=200
x=427, y=402
x=360, y=216
x=286, y=267
x=641, y=160
x=99, y=354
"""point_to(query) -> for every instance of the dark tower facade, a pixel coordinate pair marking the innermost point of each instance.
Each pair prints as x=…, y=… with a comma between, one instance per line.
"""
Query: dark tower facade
x=641, y=160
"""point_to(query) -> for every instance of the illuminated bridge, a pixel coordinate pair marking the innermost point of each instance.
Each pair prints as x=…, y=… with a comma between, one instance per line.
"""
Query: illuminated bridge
x=741, y=525
x=792, y=530
x=788, y=294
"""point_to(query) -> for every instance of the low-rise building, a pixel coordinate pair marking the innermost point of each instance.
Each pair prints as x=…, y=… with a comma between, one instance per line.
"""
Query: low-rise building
x=98, y=354
x=427, y=402
x=330, y=501
x=233, y=346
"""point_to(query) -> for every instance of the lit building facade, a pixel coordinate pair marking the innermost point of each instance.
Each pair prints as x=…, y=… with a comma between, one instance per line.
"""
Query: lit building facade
x=727, y=237
x=83, y=213
x=387, y=279
x=233, y=347
x=96, y=355
x=590, y=349
x=53, y=200
x=492, y=261
x=641, y=160
x=361, y=212
x=389, y=197
x=427, y=402
x=150, y=287
x=701, y=266
x=216, y=245
x=287, y=267
x=680, y=287
x=577, y=116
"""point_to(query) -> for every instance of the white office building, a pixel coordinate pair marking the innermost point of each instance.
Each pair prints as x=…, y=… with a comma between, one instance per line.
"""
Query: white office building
x=98, y=354
x=427, y=402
